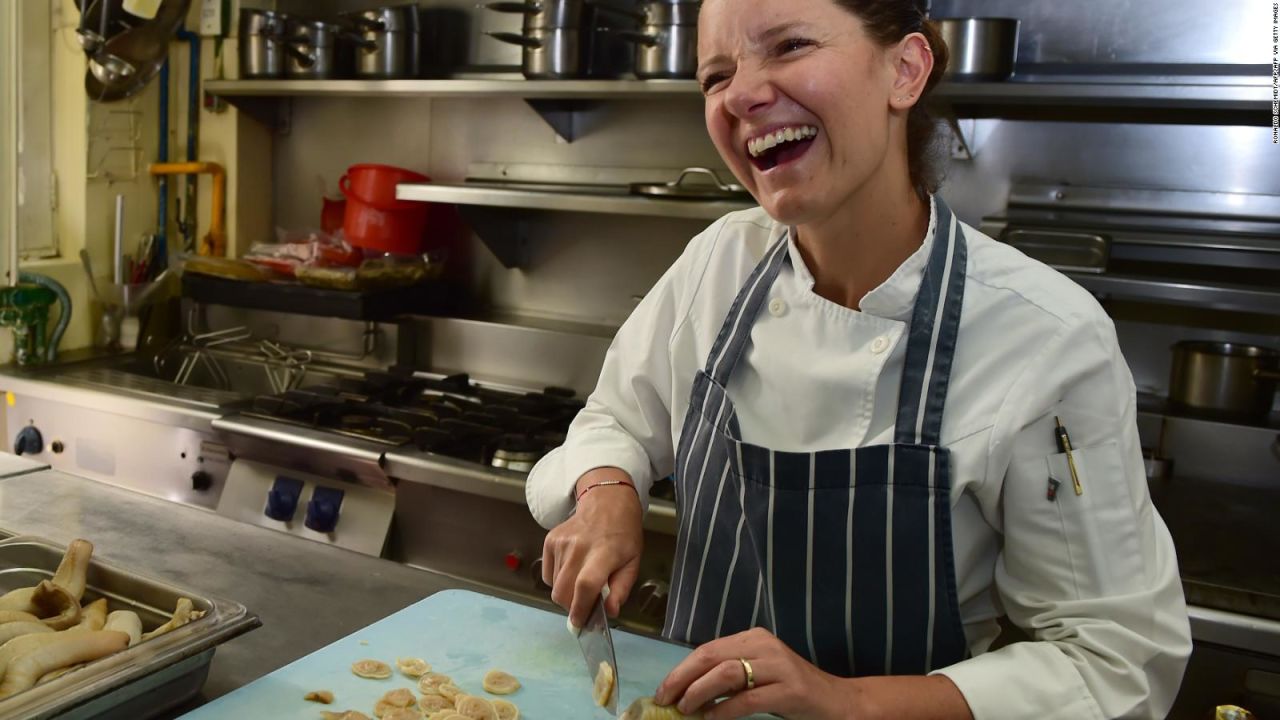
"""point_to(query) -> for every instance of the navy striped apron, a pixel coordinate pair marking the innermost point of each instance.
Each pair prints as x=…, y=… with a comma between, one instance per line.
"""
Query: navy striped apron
x=845, y=555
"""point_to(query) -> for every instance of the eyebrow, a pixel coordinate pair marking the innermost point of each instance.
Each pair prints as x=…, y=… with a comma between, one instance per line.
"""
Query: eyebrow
x=760, y=39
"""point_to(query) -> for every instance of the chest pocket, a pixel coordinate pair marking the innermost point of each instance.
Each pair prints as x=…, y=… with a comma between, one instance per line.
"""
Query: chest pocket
x=1100, y=527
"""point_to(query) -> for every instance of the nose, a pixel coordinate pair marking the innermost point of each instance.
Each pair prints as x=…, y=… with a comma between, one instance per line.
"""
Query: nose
x=749, y=92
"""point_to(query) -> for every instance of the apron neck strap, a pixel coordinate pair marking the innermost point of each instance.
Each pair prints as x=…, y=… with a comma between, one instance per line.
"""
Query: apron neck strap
x=735, y=333
x=931, y=340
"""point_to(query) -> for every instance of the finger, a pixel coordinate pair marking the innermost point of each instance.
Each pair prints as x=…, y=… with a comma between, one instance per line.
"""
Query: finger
x=766, y=699
x=726, y=678
x=549, y=561
x=586, y=591
x=568, y=567
x=620, y=584
x=699, y=663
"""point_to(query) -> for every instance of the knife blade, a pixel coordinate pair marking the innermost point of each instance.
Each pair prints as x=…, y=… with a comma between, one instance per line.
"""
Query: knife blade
x=597, y=650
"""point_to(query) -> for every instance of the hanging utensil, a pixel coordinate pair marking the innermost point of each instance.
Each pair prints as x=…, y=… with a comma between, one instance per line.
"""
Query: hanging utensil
x=125, y=63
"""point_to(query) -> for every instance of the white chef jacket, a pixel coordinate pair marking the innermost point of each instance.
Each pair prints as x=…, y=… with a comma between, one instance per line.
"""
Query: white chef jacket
x=1092, y=578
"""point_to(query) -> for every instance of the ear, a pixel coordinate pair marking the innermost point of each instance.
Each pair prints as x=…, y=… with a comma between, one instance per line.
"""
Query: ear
x=912, y=63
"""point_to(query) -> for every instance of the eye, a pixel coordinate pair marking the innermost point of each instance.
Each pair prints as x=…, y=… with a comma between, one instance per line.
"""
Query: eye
x=791, y=45
x=710, y=81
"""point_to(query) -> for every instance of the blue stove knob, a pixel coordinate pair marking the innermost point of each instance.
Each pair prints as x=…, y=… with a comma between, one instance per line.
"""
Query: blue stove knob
x=28, y=441
x=282, y=499
x=322, y=511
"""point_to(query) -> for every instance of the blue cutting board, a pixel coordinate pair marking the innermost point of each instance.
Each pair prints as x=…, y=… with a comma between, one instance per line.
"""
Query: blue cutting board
x=463, y=635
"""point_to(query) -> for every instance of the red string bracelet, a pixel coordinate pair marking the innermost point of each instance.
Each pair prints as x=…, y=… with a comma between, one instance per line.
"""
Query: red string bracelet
x=604, y=483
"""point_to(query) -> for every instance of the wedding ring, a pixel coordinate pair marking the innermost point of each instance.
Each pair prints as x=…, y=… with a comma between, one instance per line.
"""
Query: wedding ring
x=751, y=676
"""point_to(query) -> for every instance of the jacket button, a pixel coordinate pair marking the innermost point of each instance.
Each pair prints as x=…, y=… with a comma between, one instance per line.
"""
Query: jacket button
x=880, y=344
x=777, y=307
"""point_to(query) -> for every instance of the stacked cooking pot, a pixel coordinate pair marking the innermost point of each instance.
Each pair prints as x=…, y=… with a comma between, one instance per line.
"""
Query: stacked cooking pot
x=380, y=43
x=561, y=38
x=667, y=42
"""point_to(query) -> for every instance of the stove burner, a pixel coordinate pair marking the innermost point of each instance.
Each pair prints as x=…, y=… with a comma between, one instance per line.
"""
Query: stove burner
x=450, y=416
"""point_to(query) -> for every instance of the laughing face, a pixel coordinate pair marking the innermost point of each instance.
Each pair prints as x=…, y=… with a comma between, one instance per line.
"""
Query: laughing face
x=798, y=101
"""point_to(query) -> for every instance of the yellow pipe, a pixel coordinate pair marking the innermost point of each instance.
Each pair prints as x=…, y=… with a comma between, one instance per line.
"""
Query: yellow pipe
x=215, y=242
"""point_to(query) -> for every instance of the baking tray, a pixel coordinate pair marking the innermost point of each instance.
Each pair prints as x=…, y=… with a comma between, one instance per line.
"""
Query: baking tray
x=427, y=298
x=140, y=681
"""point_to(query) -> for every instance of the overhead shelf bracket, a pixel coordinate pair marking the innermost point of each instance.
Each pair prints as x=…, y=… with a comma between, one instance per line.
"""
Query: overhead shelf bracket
x=502, y=231
x=561, y=115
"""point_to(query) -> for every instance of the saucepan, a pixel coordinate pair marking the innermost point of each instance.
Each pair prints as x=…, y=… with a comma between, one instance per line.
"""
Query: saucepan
x=678, y=189
x=548, y=52
x=981, y=49
x=1228, y=380
x=667, y=42
x=544, y=13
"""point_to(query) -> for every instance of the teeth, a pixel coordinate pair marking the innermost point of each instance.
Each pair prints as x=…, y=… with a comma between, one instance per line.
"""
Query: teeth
x=764, y=143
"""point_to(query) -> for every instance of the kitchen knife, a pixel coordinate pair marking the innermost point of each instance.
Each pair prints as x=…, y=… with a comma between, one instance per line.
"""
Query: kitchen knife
x=597, y=649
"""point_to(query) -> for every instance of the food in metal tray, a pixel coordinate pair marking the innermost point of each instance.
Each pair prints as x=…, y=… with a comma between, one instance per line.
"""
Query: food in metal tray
x=46, y=632
x=321, y=696
x=371, y=669
x=500, y=683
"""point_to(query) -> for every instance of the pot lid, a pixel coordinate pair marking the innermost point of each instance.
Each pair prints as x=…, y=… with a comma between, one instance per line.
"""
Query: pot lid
x=679, y=189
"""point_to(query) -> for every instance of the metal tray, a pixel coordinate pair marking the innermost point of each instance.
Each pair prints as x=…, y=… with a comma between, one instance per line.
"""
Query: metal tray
x=143, y=680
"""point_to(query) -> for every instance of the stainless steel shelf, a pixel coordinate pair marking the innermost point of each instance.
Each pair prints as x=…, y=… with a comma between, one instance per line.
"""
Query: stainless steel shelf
x=609, y=204
x=1205, y=295
x=497, y=215
x=1154, y=95
x=517, y=88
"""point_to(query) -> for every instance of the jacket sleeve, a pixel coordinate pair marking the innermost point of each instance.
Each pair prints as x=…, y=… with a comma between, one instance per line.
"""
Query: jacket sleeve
x=1091, y=577
x=627, y=419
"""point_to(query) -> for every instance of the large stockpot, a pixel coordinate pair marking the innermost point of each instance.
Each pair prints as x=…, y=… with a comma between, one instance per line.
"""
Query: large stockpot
x=312, y=49
x=544, y=13
x=262, y=52
x=549, y=53
x=981, y=49
x=387, y=41
x=1224, y=379
x=667, y=42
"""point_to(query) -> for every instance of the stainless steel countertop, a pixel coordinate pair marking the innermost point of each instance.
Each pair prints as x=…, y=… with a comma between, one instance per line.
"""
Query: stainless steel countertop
x=306, y=594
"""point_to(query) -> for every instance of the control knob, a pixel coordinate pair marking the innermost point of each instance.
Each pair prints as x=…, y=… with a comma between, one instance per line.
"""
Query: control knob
x=29, y=441
x=322, y=511
x=651, y=596
x=201, y=481
x=282, y=499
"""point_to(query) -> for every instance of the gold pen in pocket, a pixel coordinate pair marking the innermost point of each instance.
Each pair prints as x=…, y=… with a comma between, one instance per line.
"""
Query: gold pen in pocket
x=1064, y=445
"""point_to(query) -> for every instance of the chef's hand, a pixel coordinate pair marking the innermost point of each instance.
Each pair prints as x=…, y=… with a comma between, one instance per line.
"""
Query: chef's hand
x=783, y=683
x=600, y=543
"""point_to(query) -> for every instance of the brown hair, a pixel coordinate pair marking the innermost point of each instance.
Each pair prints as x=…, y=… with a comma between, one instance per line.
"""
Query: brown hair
x=888, y=21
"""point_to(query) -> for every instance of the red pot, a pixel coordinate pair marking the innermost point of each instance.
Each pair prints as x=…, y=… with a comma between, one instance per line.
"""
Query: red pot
x=374, y=218
x=376, y=185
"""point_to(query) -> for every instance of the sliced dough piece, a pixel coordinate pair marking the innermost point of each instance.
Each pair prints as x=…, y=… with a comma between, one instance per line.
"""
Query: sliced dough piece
x=126, y=621
x=433, y=703
x=646, y=709
x=431, y=680
x=321, y=696
x=371, y=669
x=400, y=697
x=476, y=708
x=500, y=683
x=413, y=667
x=506, y=710
x=442, y=714
x=345, y=715
x=94, y=615
x=450, y=691
x=409, y=713
x=602, y=689
x=66, y=649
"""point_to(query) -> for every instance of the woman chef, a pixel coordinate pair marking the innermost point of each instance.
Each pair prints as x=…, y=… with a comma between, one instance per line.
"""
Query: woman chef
x=863, y=402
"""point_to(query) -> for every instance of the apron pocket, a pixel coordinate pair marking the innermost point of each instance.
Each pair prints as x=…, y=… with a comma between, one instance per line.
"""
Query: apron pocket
x=1100, y=526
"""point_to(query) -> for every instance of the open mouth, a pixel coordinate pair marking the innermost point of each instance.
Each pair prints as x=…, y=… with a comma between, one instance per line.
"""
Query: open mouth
x=780, y=146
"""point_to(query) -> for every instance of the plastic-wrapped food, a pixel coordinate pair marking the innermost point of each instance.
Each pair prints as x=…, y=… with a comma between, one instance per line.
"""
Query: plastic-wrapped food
x=391, y=271
x=334, y=278
x=225, y=268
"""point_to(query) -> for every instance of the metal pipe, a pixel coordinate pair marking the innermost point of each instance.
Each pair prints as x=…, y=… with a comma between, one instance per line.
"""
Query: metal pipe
x=162, y=155
x=193, y=124
x=215, y=242
x=117, y=252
